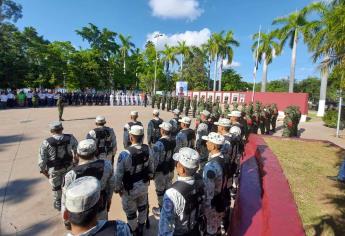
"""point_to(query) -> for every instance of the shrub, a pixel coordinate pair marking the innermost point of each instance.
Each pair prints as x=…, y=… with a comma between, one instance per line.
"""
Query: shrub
x=331, y=118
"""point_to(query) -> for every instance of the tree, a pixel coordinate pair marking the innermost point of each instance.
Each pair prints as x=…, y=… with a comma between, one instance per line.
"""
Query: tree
x=226, y=52
x=214, y=48
x=233, y=81
x=268, y=48
x=169, y=57
x=9, y=10
x=126, y=45
x=281, y=85
x=310, y=85
x=184, y=51
x=293, y=26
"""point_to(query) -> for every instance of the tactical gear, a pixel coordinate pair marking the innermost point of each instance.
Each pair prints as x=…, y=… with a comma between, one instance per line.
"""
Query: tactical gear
x=103, y=140
x=156, y=133
x=59, y=162
x=130, y=124
x=168, y=163
x=140, y=157
x=190, y=136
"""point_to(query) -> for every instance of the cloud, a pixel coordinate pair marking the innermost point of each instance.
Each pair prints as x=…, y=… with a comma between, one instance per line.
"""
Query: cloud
x=233, y=64
x=176, y=9
x=192, y=38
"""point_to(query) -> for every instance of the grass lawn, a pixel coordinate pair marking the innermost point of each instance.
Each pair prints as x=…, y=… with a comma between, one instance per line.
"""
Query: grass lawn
x=320, y=201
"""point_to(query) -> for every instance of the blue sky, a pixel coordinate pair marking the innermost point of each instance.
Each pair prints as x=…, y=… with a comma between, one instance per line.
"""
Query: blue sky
x=58, y=20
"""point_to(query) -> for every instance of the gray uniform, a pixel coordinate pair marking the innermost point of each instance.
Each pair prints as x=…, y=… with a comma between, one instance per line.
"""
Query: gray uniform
x=153, y=131
x=107, y=184
x=122, y=229
x=175, y=124
x=200, y=143
x=172, y=219
x=182, y=139
x=127, y=127
x=106, y=151
x=213, y=181
x=135, y=199
x=47, y=154
x=162, y=180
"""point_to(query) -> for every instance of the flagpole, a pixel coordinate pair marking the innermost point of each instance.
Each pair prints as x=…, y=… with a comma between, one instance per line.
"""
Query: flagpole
x=256, y=64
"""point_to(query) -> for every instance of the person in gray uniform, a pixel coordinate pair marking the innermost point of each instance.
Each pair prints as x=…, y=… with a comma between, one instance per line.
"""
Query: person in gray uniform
x=186, y=136
x=55, y=158
x=127, y=128
x=204, y=128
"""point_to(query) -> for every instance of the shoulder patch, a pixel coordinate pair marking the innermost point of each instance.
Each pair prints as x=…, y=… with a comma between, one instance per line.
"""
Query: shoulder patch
x=210, y=174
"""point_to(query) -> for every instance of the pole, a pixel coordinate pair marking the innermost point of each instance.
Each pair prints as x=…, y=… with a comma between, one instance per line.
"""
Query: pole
x=256, y=64
x=154, y=82
x=339, y=112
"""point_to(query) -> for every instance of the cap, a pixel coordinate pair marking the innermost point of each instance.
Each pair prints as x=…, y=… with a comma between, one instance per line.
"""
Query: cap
x=214, y=138
x=235, y=130
x=155, y=112
x=235, y=114
x=136, y=130
x=223, y=122
x=134, y=113
x=185, y=120
x=187, y=157
x=86, y=147
x=176, y=111
x=100, y=119
x=55, y=125
x=206, y=113
x=166, y=126
x=82, y=194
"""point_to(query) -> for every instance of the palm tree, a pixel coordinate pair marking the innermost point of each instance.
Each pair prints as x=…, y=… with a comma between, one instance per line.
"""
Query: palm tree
x=293, y=26
x=226, y=52
x=269, y=48
x=214, y=48
x=126, y=46
x=205, y=50
x=184, y=51
x=169, y=56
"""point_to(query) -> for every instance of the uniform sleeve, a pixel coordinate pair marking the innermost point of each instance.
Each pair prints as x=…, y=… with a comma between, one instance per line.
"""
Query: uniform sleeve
x=167, y=218
x=149, y=132
x=125, y=135
x=199, y=133
x=74, y=144
x=111, y=180
x=68, y=179
x=209, y=176
x=91, y=135
x=43, y=157
x=113, y=140
x=156, y=153
x=120, y=171
x=180, y=142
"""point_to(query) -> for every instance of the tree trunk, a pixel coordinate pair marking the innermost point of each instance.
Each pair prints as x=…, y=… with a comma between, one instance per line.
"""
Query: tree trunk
x=181, y=67
x=323, y=91
x=124, y=65
x=220, y=75
x=264, y=75
x=215, y=73
x=293, y=63
x=209, y=73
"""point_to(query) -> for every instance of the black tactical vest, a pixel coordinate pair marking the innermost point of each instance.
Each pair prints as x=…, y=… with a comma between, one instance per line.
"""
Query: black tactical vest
x=130, y=124
x=140, y=157
x=190, y=136
x=168, y=163
x=103, y=140
x=60, y=162
x=193, y=195
x=156, y=134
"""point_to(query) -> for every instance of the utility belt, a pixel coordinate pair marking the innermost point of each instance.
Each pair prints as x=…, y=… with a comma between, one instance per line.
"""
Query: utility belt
x=166, y=167
x=59, y=164
x=129, y=179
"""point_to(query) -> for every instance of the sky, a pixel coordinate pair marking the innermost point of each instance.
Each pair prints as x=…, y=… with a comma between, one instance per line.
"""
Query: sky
x=190, y=20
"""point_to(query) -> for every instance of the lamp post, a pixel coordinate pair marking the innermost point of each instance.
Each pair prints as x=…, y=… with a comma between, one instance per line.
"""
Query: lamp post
x=339, y=93
x=154, y=82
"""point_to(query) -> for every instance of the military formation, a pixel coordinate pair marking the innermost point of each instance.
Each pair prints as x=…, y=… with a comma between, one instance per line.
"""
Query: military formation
x=206, y=159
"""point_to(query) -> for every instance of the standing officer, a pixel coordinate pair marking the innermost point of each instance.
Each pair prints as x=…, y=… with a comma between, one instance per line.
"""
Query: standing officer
x=82, y=202
x=287, y=124
x=217, y=198
x=180, y=103
x=145, y=99
x=153, y=101
x=182, y=202
x=186, y=136
x=153, y=131
x=89, y=165
x=126, y=129
x=164, y=165
x=194, y=105
x=174, y=103
x=164, y=100
x=175, y=123
x=60, y=105
x=204, y=129
x=133, y=172
x=105, y=139
x=186, y=111
x=158, y=101
x=201, y=105
x=274, y=117
x=169, y=103
x=55, y=158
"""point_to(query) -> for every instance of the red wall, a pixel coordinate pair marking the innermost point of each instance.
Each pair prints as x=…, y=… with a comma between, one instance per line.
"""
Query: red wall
x=282, y=100
x=264, y=205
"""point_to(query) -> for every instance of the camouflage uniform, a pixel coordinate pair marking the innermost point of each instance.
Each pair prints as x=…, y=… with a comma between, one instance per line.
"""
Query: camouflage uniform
x=202, y=130
x=158, y=102
x=226, y=109
x=164, y=99
x=153, y=101
x=180, y=104
x=60, y=105
x=48, y=161
x=201, y=105
x=274, y=116
x=169, y=98
x=288, y=124
x=186, y=111
x=194, y=105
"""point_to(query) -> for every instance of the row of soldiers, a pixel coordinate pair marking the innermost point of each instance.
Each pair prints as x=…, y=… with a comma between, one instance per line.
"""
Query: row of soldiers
x=83, y=180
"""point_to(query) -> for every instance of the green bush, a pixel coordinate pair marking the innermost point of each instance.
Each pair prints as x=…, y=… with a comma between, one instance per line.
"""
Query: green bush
x=331, y=118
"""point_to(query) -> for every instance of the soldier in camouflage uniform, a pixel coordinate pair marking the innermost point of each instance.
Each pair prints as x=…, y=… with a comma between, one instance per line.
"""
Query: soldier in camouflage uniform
x=268, y=117
x=255, y=119
x=295, y=119
x=55, y=158
x=164, y=99
x=203, y=129
x=287, y=124
x=180, y=104
x=158, y=101
x=249, y=118
x=226, y=108
x=174, y=103
x=216, y=110
x=60, y=105
x=274, y=116
x=169, y=98
x=234, y=106
x=82, y=202
x=201, y=105
x=186, y=111
x=194, y=105
x=153, y=103
x=209, y=105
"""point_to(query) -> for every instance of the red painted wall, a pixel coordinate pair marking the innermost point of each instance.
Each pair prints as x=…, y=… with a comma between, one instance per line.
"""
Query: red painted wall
x=282, y=100
x=265, y=205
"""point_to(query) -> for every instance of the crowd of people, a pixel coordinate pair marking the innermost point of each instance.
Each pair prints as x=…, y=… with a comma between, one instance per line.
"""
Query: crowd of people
x=84, y=176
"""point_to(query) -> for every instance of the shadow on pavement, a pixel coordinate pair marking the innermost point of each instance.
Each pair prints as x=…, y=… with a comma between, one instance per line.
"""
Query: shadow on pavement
x=88, y=118
x=18, y=190
x=11, y=139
